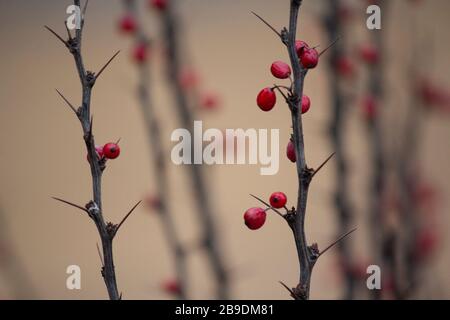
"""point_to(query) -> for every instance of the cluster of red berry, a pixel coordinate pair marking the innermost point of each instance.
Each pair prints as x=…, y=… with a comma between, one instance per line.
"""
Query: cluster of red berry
x=110, y=150
x=129, y=25
x=309, y=58
x=256, y=217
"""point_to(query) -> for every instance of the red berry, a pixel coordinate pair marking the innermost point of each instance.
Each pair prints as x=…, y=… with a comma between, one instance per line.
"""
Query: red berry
x=369, y=107
x=254, y=218
x=111, y=150
x=306, y=104
x=140, y=53
x=345, y=67
x=171, y=286
x=290, y=151
x=188, y=79
x=309, y=58
x=209, y=101
x=278, y=200
x=159, y=4
x=99, y=150
x=300, y=46
x=280, y=70
x=127, y=24
x=369, y=54
x=266, y=99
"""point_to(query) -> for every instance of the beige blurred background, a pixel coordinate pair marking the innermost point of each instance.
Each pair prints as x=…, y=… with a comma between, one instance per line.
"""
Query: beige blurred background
x=42, y=153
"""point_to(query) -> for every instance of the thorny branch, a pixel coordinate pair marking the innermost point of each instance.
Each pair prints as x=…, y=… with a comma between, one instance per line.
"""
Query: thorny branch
x=106, y=230
x=205, y=212
x=307, y=255
x=158, y=159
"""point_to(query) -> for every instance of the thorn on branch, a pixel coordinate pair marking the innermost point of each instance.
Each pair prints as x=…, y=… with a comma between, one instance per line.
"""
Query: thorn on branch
x=57, y=36
x=106, y=65
x=268, y=24
x=268, y=205
x=336, y=242
x=70, y=204
x=67, y=101
x=322, y=165
x=329, y=46
x=126, y=217
x=288, y=289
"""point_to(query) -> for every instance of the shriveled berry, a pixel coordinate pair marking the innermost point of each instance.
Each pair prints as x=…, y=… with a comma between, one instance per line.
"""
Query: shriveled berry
x=254, y=218
x=111, y=150
x=159, y=4
x=300, y=46
x=266, y=99
x=309, y=58
x=280, y=70
x=278, y=200
x=306, y=103
x=127, y=24
x=290, y=151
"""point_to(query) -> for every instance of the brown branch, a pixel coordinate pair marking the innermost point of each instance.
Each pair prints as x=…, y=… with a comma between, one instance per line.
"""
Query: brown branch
x=185, y=112
x=157, y=154
x=94, y=207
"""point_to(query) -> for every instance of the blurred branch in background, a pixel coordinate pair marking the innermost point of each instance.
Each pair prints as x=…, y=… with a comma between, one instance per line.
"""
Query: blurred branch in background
x=340, y=69
x=11, y=266
x=131, y=23
x=373, y=54
x=171, y=33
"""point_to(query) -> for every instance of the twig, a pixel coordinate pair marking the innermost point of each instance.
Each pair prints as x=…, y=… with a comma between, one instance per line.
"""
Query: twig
x=94, y=207
x=67, y=101
x=106, y=65
x=157, y=154
x=205, y=212
x=333, y=26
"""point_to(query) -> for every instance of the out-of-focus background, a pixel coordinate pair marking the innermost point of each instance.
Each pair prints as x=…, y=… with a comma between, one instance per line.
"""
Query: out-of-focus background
x=42, y=152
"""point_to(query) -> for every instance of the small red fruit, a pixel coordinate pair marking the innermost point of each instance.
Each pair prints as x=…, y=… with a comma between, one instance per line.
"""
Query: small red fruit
x=280, y=70
x=127, y=24
x=159, y=4
x=306, y=103
x=99, y=150
x=254, y=218
x=188, y=79
x=290, y=151
x=278, y=200
x=171, y=286
x=309, y=58
x=369, y=54
x=140, y=53
x=345, y=67
x=266, y=99
x=210, y=101
x=369, y=107
x=111, y=150
x=300, y=46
